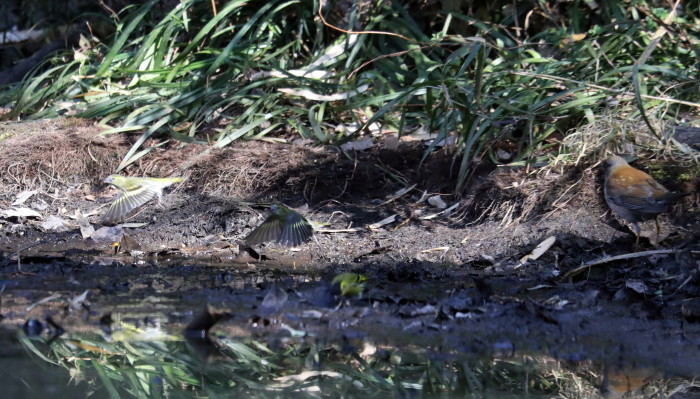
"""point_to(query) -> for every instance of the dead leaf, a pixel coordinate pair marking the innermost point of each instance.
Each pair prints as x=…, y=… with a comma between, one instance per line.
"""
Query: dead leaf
x=444, y=211
x=40, y=205
x=23, y=196
x=55, y=223
x=437, y=202
x=383, y=222
x=86, y=230
x=21, y=212
x=358, y=145
x=539, y=250
x=133, y=225
x=402, y=192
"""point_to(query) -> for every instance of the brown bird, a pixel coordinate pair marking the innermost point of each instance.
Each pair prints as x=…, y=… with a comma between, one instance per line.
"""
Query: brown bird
x=634, y=195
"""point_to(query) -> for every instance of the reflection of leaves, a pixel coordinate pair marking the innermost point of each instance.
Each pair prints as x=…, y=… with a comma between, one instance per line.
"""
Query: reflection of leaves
x=252, y=368
x=203, y=322
x=275, y=298
x=459, y=302
x=637, y=286
x=33, y=328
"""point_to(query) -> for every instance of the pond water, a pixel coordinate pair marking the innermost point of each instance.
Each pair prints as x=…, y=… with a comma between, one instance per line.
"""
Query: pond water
x=206, y=327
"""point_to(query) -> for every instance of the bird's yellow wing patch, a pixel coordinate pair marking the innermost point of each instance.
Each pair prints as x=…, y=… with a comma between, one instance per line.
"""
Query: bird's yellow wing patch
x=269, y=230
x=127, y=201
x=296, y=231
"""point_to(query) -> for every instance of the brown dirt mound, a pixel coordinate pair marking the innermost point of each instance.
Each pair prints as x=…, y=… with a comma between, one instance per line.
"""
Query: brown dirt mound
x=50, y=154
x=47, y=153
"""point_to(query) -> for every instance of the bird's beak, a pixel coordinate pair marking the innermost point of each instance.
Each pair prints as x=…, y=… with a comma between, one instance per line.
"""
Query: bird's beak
x=109, y=180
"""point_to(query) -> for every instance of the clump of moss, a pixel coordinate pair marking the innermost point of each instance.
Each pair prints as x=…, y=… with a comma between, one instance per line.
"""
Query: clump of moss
x=679, y=173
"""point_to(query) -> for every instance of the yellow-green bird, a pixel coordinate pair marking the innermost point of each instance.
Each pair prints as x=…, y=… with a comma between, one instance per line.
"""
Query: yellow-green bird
x=285, y=226
x=350, y=284
x=135, y=191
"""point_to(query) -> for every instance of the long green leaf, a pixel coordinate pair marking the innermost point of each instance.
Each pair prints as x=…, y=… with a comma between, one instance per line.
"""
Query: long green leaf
x=123, y=36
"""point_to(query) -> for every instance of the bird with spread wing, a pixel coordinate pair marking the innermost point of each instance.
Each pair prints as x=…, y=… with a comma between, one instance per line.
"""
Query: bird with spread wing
x=135, y=192
x=285, y=226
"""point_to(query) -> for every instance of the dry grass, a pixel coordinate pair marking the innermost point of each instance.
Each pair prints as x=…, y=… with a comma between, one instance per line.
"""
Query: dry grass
x=252, y=167
x=56, y=154
x=619, y=133
x=53, y=155
x=47, y=154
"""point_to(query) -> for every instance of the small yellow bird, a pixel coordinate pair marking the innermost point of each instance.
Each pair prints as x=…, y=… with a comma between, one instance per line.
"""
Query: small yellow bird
x=350, y=284
x=285, y=226
x=135, y=191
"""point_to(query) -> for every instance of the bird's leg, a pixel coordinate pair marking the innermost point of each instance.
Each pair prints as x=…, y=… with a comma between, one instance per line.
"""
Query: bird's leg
x=123, y=243
x=658, y=231
x=637, y=232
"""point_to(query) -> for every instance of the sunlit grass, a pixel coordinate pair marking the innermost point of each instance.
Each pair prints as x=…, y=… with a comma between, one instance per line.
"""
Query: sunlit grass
x=251, y=70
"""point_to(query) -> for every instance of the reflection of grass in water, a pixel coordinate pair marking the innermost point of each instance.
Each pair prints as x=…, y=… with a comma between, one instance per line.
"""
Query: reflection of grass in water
x=175, y=367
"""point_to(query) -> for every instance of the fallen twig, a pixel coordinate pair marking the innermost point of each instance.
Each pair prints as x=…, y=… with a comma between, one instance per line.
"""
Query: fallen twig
x=607, y=259
x=438, y=249
x=351, y=230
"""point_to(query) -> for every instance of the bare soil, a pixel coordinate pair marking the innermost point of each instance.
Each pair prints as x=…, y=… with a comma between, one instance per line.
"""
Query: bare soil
x=452, y=279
